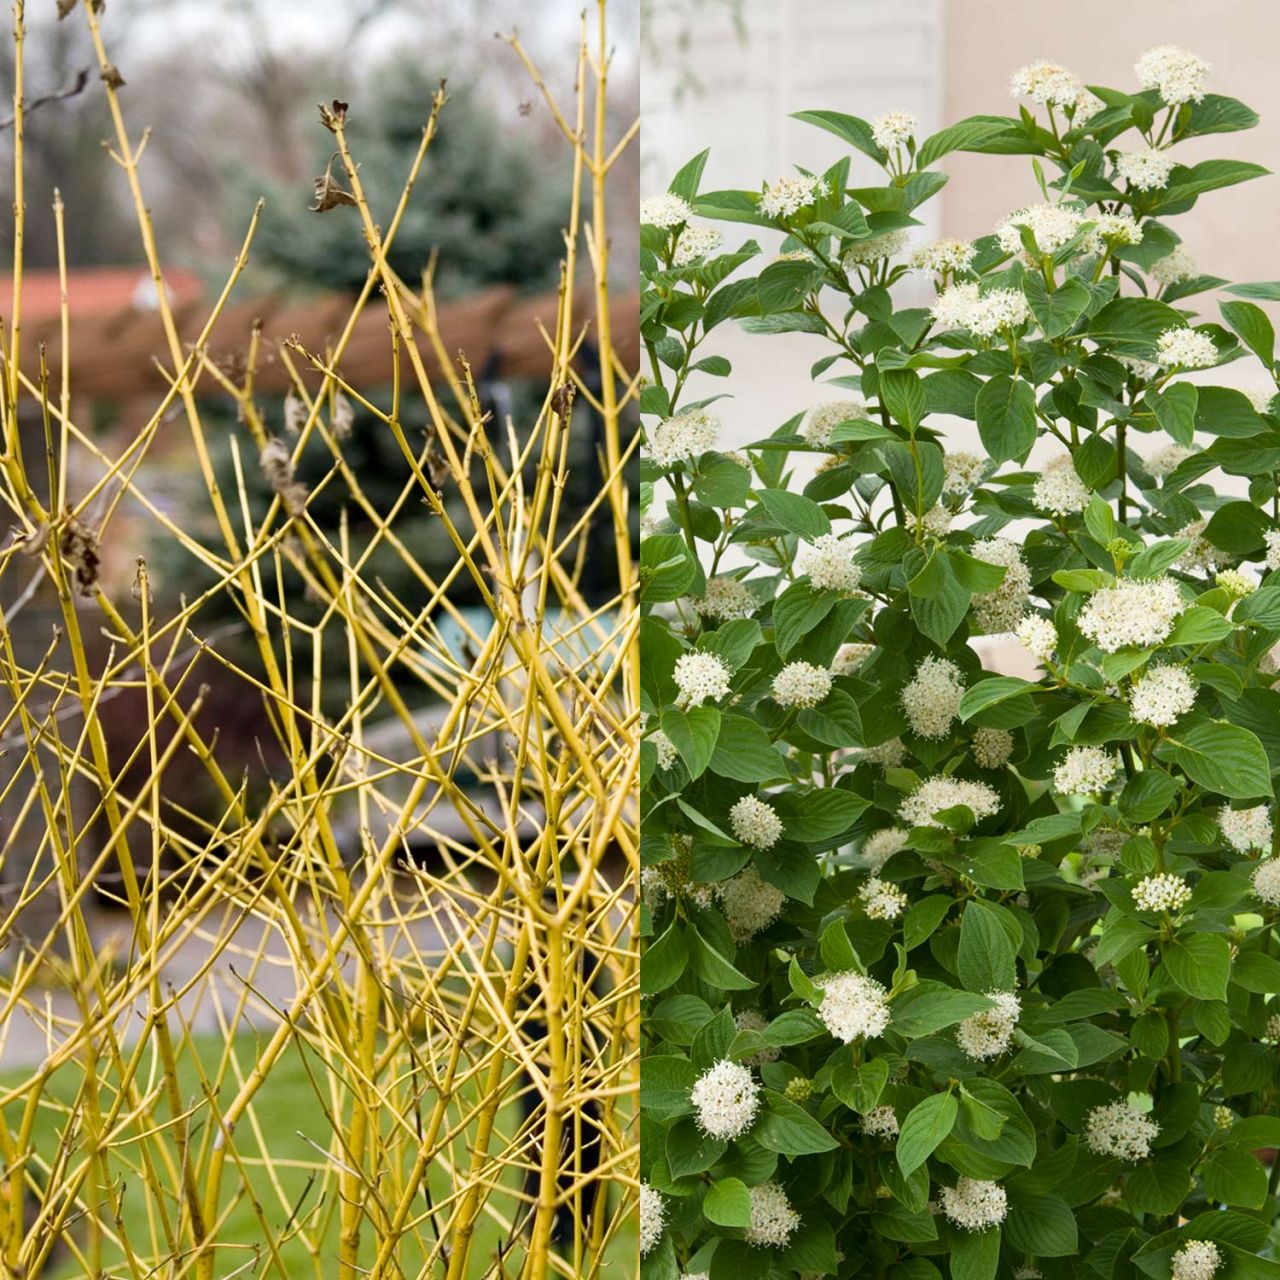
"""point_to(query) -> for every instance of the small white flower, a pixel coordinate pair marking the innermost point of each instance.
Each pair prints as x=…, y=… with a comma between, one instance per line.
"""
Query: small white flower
x=700, y=677
x=1038, y=636
x=726, y=1099
x=749, y=903
x=964, y=306
x=1236, y=583
x=726, y=599
x=943, y=255
x=787, y=196
x=935, y=521
x=828, y=562
x=882, y=900
x=962, y=473
x=1000, y=610
x=989, y=1033
x=1146, y=169
x=801, y=684
x=1085, y=769
x=1185, y=348
x=755, y=823
x=1174, y=267
x=1059, y=490
x=1197, y=1260
x=1118, y=228
x=773, y=1220
x=1272, y=539
x=1047, y=83
x=752, y=1020
x=684, y=437
x=974, y=1205
x=667, y=753
x=938, y=793
x=850, y=657
x=1052, y=226
x=1266, y=882
x=666, y=210
x=880, y=846
x=991, y=748
x=695, y=243
x=1201, y=556
x=893, y=129
x=874, y=248
x=880, y=1122
x=853, y=1007
x=1136, y=612
x=653, y=1218
x=932, y=699
x=1165, y=459
x=823, y=419
x=1120, y=1129
x=1178, y=75
x=1260, y=398
x=1161, y=893
x=1161, y=695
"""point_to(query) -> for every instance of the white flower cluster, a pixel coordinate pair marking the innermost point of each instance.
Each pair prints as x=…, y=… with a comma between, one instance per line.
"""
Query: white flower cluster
x=1164, y=460
x=964, y=306
x=699, y=677
x=1038, y=636
x=962, y=473
x=850, y=657
x=683, y=437
x=726, y=599
x=1197, y=1260
x=1137, y=611
x=937, y=793
x=991, y=748
x=1120, y=1129
x=880, y=1122
x=1174, y=267
x=666, y=749
x=1161, y=695
x=753, y=1020
x=1059, y=490
x=1161, y=893
x=801, y=684
x=789, y=195
x=726, y=1098
x=828, y=562
x=932, y=698
x=989, y=1033
x=755, y=823
x=1260, y=398
x=749, y=903
x=1085, y=769
x=823, y=419
x=881, y=845
x=1266, y=882
x=1185, y=348
x=937, y=521
x=893, y=129
x=666, y=210
x=875, y=248
x=653, y=1218
x=1201, y=556
x=1146, y=169
x=1118, y=228
x=1000, y=610
x=888, y=755
x=853, y=1007
x=974, y=1205
x=1273, y=1027
x=1179, y=76
x=1051, y=226
x=1236, y=583
x=695, y=243
x=773, y=1220
x=1246, y=829
x=943, y=256
x=882, y=900
x=1047, y=83
x=1272, y=539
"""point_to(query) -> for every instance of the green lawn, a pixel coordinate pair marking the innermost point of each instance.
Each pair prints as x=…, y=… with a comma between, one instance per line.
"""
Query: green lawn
x=289, y=1113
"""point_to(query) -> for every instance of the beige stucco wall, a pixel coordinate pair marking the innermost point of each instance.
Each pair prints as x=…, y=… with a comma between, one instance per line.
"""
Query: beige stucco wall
x=1231, y=233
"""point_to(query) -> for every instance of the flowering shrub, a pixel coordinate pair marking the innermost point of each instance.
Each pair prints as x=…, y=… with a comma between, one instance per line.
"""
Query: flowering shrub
x=949, y=972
